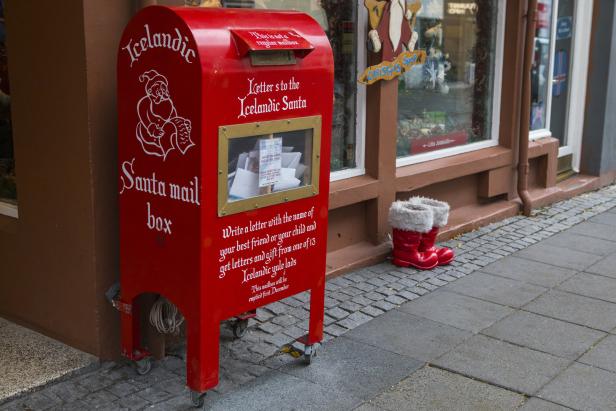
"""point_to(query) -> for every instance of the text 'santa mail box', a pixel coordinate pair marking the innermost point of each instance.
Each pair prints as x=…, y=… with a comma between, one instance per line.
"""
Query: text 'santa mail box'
x=224, y=142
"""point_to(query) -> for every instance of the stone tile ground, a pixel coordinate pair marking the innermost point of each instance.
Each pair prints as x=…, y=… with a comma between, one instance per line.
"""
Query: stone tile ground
x=29, y=359
x=446, y=327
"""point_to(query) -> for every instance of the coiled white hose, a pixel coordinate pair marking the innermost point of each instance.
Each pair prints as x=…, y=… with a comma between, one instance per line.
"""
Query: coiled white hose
x=165, y=317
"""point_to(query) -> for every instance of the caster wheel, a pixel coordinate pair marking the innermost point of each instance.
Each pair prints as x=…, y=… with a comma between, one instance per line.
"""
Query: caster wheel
x=143, y=366
x=310, y=352
x=239, y=328
x=197, y=399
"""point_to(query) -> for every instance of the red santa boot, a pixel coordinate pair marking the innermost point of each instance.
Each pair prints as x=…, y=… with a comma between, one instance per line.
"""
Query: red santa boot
x=409, y=222
x=440, y=213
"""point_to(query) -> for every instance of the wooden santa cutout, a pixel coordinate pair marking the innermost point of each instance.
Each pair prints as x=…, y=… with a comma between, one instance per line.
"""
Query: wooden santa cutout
x=392, y=23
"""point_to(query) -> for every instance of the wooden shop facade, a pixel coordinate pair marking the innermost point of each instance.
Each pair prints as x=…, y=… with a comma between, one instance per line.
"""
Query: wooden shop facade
x=506, y=112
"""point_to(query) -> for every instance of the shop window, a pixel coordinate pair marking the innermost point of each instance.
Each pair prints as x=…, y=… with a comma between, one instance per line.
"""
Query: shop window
x=540, y=71
x=339, y=20
x=8, y=188
x=551, y=68
x=450, y=104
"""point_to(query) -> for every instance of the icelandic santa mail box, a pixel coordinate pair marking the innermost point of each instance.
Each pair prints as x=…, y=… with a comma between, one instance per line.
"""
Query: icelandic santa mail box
x=224, y=149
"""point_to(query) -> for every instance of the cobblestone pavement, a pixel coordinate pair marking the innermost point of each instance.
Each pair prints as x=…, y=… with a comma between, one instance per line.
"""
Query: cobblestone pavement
x=351, y=301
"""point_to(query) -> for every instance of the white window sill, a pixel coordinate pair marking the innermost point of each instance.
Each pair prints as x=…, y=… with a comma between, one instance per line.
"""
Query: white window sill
x=344, y=174
x=537, y=134
x=446, y=152
x=9, y=210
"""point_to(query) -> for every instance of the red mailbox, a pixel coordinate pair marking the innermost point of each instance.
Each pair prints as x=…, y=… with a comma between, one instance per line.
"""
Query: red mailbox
x=224, y=148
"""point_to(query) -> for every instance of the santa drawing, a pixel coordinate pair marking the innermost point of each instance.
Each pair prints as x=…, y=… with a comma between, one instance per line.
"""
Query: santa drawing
x=160, y=130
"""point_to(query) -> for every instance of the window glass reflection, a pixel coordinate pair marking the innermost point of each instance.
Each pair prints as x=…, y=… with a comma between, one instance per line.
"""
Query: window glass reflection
x=338, y=19
x=8, y=186
x=540, y=71
x=447, y=102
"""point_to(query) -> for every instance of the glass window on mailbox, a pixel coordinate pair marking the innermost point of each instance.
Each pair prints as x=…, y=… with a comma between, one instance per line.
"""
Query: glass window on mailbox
x=447, y=102
x=8, y=189
x=338, y=18
x=266, y=164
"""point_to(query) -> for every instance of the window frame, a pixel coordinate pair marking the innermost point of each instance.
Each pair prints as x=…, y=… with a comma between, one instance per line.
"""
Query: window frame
x=546, y=131
x=8, y=209
x=580, y=50
x=228, y=133
x=360, y=104
x=496, y=103
x=580, y=53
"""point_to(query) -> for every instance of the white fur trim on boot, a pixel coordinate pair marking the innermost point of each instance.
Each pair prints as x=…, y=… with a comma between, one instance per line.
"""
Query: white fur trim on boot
x=440, y=209
x=407, y=216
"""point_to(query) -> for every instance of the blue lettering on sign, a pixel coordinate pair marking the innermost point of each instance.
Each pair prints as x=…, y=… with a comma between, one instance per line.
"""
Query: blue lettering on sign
x=384, y=71
x=564, y=28
x=390, y=69
x=409, y=60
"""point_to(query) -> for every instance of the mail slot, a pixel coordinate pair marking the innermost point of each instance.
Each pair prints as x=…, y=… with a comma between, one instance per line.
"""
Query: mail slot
x=224, y=150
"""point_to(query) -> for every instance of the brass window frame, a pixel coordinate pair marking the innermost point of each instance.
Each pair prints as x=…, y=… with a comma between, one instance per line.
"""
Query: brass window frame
x=229, y=132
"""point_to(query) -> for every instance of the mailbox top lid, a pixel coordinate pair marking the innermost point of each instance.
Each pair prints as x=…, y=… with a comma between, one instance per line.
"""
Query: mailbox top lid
x=231, y=33
x=270, y=39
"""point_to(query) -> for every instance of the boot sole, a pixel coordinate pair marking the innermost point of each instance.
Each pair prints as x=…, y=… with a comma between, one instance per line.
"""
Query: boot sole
x=446, y=262
x=406, y=264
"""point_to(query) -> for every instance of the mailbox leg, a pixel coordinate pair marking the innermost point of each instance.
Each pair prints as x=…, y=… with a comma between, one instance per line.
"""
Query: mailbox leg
x=202, y=356
x=317, y=311
x=131, y=333
x=131, y=337
x=315, y=326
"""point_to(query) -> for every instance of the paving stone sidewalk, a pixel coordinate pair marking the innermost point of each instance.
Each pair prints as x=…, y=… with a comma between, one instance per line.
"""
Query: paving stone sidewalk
x=513, y=329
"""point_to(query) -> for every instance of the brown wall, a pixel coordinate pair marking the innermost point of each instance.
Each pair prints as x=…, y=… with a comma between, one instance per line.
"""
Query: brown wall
x=105, y=21
x=347, y=226
x=47, y=274
x=60, y=255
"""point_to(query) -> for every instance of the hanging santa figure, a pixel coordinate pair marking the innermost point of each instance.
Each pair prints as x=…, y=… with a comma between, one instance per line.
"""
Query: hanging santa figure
x=392, y=25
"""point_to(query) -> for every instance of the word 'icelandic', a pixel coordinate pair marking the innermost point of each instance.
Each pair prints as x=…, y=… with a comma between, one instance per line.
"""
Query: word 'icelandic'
x=173, y=41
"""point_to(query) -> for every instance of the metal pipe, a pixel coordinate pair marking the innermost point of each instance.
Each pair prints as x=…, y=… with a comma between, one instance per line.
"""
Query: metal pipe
x=529, y=50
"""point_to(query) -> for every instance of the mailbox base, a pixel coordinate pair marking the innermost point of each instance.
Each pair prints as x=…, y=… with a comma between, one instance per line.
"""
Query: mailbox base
x=310, y=351
x=203, y=342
